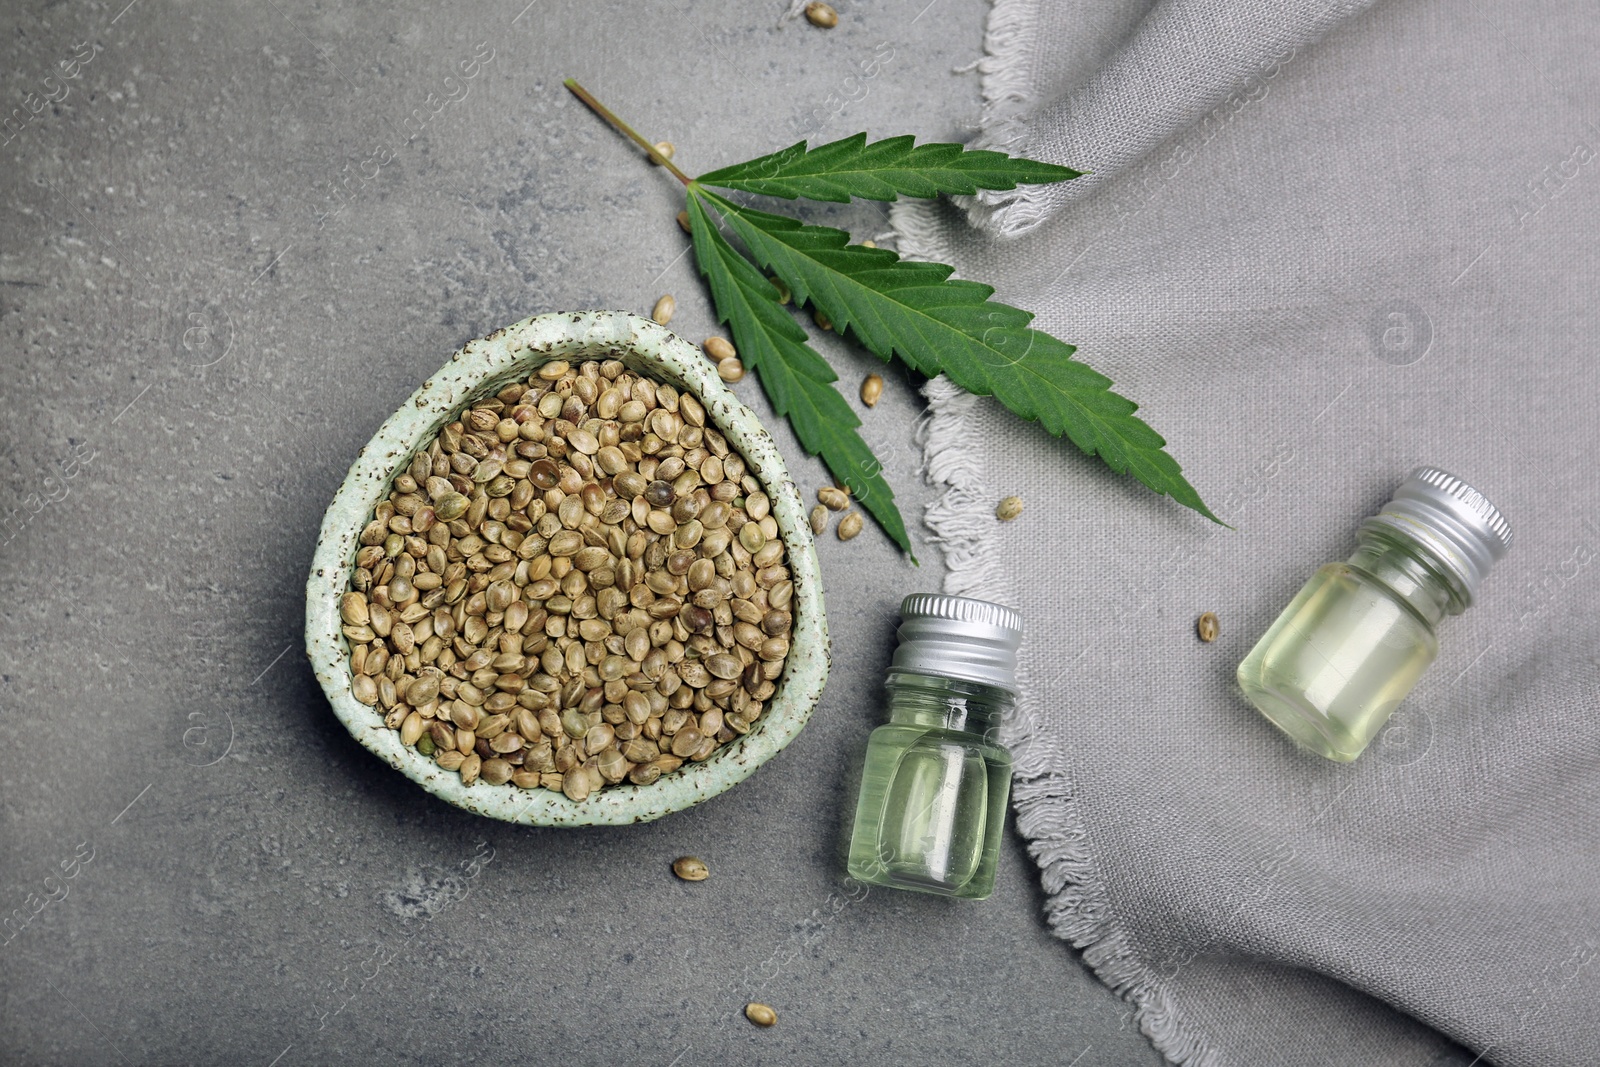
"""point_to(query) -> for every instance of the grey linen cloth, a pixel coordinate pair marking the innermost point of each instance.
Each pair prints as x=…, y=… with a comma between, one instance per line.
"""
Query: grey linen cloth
x=1316, y=259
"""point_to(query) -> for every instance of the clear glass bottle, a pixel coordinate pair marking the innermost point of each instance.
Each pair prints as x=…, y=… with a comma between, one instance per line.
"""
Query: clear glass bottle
x=936, y=783
x=1352, y=643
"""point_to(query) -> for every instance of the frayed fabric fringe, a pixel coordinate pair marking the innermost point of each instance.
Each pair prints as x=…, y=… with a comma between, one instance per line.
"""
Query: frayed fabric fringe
x=1008, y=101
x=962, y=523
x=1078, y=910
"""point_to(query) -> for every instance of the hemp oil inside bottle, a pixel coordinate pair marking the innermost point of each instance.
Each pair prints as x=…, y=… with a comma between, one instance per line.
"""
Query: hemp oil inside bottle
x=1357, y=637
x=936, y=784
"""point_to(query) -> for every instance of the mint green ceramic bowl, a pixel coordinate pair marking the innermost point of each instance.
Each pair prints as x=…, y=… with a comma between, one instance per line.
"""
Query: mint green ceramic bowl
x=481, y=369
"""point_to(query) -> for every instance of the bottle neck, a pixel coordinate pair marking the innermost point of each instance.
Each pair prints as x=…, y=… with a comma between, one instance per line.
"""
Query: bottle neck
x=1410, y=572
x=948, y=703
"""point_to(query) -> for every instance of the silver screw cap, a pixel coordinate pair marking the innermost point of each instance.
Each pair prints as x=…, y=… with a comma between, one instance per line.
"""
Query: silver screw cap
x=1450, y=519
x=958, y=637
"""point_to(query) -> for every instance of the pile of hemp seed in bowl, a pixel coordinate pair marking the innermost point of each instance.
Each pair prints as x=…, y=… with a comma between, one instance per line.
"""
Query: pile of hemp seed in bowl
x=576, y=585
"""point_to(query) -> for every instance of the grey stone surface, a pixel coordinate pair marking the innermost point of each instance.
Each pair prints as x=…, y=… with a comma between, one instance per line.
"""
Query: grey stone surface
x=234, y=238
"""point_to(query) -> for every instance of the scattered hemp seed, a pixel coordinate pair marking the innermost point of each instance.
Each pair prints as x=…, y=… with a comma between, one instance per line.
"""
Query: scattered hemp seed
x=822, y=321
x=784, y=296
x=665, y=148
x=869, y=243
x=1206, y=627
x=683, y=221
x=1008, y=509
x=849, y=525
x=690, y=869
x=730, y=369
x=834, y=498
x=664, y=309
x=821, y=15
x=761, y=1014
x=871, y=390
x=819, y=519
x=717, y=349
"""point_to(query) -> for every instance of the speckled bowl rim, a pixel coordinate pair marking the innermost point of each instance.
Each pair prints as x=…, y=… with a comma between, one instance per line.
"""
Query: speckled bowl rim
x=481, y=368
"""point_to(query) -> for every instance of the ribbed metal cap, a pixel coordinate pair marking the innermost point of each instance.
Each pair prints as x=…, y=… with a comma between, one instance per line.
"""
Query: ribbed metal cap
x=958, y=637
x=1451, y=520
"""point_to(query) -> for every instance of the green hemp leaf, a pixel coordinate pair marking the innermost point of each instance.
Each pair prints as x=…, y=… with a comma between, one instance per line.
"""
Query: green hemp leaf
x=895, y=308
x=797, y=380
x=883, y=170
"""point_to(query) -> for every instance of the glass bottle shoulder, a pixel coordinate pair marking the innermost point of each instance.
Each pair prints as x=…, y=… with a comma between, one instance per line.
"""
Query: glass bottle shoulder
x=1356, y=582
x=906, y=735
x=954, y=704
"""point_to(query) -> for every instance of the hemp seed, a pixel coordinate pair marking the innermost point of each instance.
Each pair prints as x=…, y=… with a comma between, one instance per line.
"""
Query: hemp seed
x=664, y=309
x=833, y=498
x=871, y=390
x=824, y=17
x=1206, y=627
x=690, y=869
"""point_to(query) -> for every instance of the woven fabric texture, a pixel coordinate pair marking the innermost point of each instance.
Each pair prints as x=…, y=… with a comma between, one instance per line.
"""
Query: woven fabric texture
x=1319, y=251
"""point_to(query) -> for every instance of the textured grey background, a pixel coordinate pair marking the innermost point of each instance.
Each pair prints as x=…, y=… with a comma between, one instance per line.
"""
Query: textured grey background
x=234, y=238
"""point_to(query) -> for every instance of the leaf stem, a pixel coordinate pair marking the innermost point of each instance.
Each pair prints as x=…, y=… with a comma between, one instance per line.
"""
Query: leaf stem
x=604, y=112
